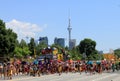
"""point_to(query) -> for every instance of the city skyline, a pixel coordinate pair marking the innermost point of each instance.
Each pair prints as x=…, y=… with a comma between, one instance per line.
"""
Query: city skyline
x=97, y=20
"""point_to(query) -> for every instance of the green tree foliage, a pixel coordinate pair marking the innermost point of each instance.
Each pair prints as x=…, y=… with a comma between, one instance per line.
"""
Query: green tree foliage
x=95, y=56
x=39, y=47
x=66, y=48
x=21, y=49
x=23, y=43
x=21, y=52
x=26, y=51
x=32, y=46
x=117, y=52
x=75, y=54
x=7, y=40
x=87, y=46
x=18, y=52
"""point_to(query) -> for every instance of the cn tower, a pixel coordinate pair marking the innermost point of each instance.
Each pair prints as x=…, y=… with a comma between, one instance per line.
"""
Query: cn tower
x=69, y=31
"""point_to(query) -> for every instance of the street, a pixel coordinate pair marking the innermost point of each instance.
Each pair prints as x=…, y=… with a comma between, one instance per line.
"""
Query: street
x=70, y=77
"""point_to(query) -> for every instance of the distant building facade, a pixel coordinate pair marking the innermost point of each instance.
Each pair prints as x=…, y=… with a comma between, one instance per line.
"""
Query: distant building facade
x=43, y=40
x=100, y=52
x=59, y=41
x=72, y=43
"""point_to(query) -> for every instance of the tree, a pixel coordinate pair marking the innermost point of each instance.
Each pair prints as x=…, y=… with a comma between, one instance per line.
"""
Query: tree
x=87, y=46
x=66, y=48
x=117, y=52
x=7, y=40
x=39, y=47
x=18, y=52
x=21, y=52
x=23, y=43
x=75, y=54
x=32, y=46
x=21, y=49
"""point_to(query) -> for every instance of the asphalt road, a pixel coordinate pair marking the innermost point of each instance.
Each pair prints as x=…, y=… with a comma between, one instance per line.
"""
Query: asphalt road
x=70, y=77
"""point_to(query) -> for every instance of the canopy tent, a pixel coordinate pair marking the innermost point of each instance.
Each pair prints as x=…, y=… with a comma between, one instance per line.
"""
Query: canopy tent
x=89, y=62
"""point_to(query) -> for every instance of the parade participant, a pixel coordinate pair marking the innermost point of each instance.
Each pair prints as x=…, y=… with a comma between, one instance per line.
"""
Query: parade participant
x=80, y=67
x=113, y=67
x=1, y=70
x=14, y=70
x=17, y=69
x=10, y=71
x=107, y=67
x=31, y=70
x=76, y=67
x=5, y=69
x=66, y=67
x=85, y=67
x=94, y=68
x=34, y=70
x=99, y=68
x=59, y=69
x=91, y=68
x=39, y=70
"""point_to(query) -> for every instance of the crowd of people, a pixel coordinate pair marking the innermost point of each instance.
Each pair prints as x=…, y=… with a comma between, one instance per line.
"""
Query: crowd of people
x=10, y=69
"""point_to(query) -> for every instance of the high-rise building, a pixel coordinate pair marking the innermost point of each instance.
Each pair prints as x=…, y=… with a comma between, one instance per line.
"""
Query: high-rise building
x=60, y=41
x=72, y=43
x=43, y=40
x=69, y=31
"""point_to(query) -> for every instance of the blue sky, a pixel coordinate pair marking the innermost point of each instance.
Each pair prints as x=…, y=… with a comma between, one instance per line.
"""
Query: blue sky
x=95, y=19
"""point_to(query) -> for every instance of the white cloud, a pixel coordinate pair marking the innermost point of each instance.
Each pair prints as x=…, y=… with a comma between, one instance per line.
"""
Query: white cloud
x=24, y=29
